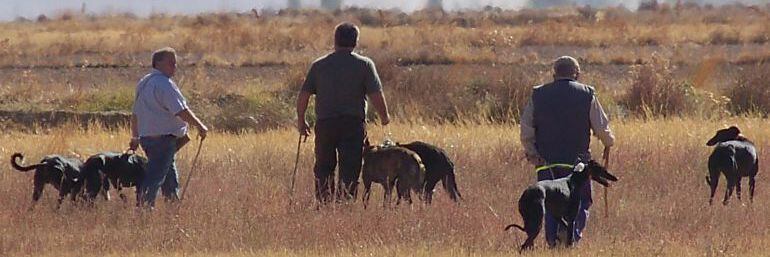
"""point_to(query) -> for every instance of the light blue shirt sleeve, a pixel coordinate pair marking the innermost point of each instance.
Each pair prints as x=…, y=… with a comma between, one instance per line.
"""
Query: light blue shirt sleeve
x=171, y=98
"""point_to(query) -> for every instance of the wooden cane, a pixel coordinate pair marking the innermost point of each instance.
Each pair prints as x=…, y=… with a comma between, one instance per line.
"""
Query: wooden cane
x=606, y=201
x=192, y=171
x=294, y=174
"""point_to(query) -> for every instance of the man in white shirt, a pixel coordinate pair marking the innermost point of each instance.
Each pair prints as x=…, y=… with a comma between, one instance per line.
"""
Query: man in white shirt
x=160, y=124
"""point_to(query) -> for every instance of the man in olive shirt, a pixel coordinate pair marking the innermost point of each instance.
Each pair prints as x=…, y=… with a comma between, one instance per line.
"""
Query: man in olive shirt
x=341, y=81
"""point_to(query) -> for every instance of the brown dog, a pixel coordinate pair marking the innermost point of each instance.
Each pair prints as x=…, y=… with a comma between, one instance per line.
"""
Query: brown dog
x=392, y=166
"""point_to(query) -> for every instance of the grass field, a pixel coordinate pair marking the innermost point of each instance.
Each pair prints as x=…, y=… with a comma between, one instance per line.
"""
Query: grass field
x=669, y=77
x=237, y=204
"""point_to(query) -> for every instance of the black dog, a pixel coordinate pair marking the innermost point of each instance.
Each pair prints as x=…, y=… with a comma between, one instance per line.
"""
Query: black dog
x=60, y=172
x=734, y=156
x=561, y=197
x=438, y=166
x=119, y=169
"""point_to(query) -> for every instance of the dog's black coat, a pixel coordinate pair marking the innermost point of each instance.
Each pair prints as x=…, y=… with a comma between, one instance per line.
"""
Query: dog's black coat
x=60, y=172
x=561, y=197
x=735, y=157
x=117, y=169
x=438, y=166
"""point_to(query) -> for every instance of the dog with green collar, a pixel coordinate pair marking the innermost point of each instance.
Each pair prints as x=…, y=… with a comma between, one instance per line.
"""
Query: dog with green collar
x=561, y=197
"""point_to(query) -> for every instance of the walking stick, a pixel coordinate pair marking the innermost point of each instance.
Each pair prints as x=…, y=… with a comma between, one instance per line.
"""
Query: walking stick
x=606, y=201
x=294, y=173
x=192, y=171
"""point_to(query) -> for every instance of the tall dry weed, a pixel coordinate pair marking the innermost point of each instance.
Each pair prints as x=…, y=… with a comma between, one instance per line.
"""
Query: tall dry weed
x=655, y=91
x=750, y=92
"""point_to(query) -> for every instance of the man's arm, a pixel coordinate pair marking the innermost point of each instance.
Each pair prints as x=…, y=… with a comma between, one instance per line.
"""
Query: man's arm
x=527, y=135
x=188, y=116
x=302, y=100
x=600, y=125
x=378, y=100
x=134, y=143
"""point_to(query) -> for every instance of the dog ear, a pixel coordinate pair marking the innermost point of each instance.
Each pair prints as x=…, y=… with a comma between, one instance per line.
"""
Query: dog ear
x=734, y=130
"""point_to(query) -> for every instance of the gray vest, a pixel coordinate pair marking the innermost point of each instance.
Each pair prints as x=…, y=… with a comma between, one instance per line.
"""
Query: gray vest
x=562, y=120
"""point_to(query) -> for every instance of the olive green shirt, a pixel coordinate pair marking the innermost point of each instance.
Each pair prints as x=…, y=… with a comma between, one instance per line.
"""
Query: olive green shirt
x=341, y=80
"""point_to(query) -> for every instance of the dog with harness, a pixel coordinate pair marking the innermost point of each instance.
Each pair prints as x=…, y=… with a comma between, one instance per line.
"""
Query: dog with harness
x=117, y=169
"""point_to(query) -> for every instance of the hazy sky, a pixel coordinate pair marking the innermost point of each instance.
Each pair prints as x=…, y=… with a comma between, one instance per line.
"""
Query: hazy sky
x=32, y=8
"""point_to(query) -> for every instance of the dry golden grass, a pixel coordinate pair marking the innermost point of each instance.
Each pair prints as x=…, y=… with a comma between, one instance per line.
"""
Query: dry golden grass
x=421, y=37
x=480, y=68
x=237, y=204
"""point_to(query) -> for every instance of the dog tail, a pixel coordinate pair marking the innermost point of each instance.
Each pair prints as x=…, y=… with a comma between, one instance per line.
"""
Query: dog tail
x=19, y=167
x=514, y=226
x=450, y=185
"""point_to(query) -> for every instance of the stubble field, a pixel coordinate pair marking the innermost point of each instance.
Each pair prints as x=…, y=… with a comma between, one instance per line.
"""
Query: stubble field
x=237, y=204
x=455, y=80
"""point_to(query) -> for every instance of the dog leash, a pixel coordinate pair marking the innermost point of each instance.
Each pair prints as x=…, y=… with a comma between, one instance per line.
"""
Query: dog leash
x=386, y=137
x=550, y=167
x=555, y=165
x=189, y=177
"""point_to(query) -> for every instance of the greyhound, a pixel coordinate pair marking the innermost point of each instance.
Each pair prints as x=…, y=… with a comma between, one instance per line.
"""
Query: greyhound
x=438, y=166
x=119, y=169
x=735, y=157
x=392, y=166
x=560, y=197
x=62, y=173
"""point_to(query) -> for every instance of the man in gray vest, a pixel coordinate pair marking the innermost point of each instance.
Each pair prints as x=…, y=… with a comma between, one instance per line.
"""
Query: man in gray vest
x=556, y=130
x=341, y=82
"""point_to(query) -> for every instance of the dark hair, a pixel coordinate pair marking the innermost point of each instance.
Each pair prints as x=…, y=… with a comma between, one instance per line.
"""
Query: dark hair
x=346, y=35
x=161, y=54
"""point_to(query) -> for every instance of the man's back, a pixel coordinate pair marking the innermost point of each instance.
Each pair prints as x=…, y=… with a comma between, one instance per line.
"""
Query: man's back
x=341, y=80
x=562, y=120
x=157, y=102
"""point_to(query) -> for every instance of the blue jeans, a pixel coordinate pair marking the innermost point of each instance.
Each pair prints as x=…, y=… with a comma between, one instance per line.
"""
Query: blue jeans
x=161, y=172
x=552, y=226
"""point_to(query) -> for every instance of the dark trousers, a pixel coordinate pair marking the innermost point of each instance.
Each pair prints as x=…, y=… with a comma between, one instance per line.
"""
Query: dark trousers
x=340, y=139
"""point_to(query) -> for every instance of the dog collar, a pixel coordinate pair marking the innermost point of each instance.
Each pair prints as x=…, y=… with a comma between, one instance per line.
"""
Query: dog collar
x=555, y=165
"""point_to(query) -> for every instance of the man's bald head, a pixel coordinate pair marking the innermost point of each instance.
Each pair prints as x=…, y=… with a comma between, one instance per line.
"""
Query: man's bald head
x=566, y=67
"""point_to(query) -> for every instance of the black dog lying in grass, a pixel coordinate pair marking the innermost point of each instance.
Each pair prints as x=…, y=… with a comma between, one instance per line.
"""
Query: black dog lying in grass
x=734, y=156
x=561, y=197
x=60, y=172
x=116, y=169
x=438, y=166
